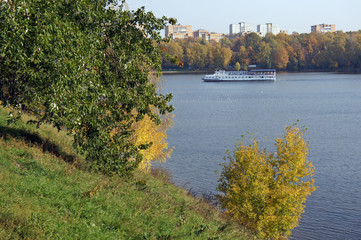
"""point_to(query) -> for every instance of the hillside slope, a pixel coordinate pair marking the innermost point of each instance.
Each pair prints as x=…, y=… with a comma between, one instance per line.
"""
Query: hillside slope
x=46, y=192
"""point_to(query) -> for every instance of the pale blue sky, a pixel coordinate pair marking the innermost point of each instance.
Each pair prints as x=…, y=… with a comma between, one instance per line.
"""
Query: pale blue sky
x=291, y=15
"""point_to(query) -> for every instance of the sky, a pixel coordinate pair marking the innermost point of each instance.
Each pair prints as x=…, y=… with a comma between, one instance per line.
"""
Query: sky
x=291, y=15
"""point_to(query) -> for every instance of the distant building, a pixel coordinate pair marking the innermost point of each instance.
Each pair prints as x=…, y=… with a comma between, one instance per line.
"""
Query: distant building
x=215, y=37
x=263, y=29
x=242, y=27
x=234, y=28
x=178, y=31
x=246, y=27
x=201, y=33
x=323, y=28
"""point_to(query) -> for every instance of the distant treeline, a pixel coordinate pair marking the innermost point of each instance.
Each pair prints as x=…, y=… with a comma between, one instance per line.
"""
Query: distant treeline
x=336, y=51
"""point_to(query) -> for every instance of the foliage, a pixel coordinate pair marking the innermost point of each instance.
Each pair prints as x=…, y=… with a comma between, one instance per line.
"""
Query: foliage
x=148, y=132
x=84, y=67
x=265, y=191
x=43, y=197
x=326, y=51
x=172, y=49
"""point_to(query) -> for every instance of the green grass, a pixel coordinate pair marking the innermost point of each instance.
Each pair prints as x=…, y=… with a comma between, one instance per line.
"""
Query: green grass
x=46, y=192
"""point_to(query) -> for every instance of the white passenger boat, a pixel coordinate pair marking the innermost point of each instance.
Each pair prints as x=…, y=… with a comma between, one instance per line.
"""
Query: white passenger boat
x=234, y=76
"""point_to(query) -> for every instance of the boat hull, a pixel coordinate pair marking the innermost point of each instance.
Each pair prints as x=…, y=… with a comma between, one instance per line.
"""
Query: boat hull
x=241, y=76
x=241, y=80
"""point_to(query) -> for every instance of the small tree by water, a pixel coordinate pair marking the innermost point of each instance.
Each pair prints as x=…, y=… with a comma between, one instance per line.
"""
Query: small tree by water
x=267, y=191
x=237, y=66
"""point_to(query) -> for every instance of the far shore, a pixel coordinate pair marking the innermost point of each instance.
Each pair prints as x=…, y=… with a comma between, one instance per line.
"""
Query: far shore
x=186, y=72
x=171, y=72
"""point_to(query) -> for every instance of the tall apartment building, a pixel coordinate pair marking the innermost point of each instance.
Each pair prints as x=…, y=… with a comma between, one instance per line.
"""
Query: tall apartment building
x=263, y=29
x=323, y=28
x=241, y=27
x=234, y=28
x=178, y=31
x=246, y=27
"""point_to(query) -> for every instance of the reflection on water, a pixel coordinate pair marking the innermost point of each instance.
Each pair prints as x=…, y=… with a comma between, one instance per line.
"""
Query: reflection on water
x=211, y=117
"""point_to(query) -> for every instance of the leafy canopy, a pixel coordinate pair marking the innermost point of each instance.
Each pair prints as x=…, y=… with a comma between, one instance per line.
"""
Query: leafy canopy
x=85, y=67
x=267, y=191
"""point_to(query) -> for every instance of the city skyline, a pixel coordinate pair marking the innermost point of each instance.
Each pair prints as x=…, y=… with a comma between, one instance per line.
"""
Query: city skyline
x=216, y=16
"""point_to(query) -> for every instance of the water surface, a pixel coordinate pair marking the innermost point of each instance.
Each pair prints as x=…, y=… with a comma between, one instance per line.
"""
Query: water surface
x=211, y=117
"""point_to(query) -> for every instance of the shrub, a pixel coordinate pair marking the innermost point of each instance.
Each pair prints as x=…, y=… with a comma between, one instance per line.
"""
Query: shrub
x=265, y=191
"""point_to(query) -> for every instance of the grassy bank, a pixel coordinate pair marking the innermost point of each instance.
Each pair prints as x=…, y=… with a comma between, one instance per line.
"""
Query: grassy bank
x=46, y=192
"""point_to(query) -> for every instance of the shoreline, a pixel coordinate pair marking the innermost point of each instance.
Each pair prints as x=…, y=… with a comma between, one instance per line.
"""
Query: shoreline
x=179, y=72
x=185, y=72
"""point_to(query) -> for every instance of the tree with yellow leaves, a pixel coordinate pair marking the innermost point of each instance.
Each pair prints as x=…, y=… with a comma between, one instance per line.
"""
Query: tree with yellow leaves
x=147, y=132
x=265, y=191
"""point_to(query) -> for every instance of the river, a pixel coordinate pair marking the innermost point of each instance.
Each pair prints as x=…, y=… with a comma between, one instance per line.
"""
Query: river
x=211, y=117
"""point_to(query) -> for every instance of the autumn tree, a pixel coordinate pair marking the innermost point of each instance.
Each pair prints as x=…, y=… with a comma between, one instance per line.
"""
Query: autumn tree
x=280, y=58
x=221, y=56
x=264, y=55
x=237, y=43
x=226, y=56
x=252, y=40
x=266, y=191
x=147, y=132
x=321, y=57
x=296, y=53
x=243, y=57
x=196, y=55
x=237, y=66
x=173, y=49
x=354, y=50
x=329, y=51
x=337, y=50
x=225, y=42
x=312, y=47
x=84, y=67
